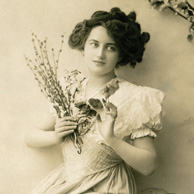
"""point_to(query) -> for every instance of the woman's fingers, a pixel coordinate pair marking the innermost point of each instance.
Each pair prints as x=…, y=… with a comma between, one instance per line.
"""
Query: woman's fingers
x=65, y=128
x=65, y=133
x=111, y=106
x=65, y=123
x=68, y=118
x=111, y=109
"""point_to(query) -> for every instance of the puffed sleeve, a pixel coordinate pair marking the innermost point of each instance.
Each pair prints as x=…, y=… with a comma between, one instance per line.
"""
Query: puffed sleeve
x=141, y=113
x=151, y=100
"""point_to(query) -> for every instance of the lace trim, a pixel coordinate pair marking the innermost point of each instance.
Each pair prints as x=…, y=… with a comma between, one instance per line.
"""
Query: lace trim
x=137, y=133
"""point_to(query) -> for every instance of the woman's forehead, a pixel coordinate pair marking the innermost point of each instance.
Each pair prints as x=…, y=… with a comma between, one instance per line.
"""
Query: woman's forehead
x=99, y=33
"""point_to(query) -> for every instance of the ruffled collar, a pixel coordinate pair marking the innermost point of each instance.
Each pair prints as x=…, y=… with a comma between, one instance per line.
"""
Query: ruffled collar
x=98, y=92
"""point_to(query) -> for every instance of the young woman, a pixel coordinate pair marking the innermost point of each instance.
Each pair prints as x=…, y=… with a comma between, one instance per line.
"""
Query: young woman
x=121, y=139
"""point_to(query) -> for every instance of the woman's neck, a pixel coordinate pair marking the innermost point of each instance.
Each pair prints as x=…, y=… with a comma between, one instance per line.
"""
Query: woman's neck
x=100, y=80
x=96, y=82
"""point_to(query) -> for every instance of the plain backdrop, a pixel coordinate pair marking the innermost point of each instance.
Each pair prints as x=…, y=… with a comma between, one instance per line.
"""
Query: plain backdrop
x=168, y=65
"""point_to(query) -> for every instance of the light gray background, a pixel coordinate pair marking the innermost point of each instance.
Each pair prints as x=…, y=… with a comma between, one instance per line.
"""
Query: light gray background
x=168, y=65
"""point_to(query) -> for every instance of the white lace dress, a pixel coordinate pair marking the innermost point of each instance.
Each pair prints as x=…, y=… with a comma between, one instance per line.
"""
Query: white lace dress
x=98, y=169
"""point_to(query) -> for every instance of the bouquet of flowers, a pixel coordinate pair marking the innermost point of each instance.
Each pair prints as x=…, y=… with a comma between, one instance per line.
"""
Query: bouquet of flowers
x=62, y=96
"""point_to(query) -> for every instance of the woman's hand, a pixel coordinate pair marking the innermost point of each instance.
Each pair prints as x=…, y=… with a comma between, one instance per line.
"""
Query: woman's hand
x=65, y=126
x=106, y=127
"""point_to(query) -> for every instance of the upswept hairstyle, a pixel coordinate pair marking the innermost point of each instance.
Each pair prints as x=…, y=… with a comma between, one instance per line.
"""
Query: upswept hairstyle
x=123, y=28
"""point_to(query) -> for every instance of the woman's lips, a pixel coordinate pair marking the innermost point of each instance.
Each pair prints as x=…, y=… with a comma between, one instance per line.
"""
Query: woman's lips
x=99, y=63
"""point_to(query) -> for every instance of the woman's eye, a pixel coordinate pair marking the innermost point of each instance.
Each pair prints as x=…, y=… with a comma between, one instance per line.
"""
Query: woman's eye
x=94, y=44
x=111, y=48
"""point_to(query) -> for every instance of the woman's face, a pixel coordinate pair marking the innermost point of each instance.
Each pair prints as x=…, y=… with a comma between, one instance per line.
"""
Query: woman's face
x=101, y=52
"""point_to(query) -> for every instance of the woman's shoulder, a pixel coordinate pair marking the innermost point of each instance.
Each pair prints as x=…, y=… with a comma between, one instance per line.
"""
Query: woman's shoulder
x=126, y=85
x=139, y=107
x=129, y=92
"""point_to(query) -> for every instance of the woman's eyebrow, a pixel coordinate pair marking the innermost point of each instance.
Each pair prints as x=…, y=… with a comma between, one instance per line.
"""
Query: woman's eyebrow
x=108, y=43
x=111, y=43
x=93, y=40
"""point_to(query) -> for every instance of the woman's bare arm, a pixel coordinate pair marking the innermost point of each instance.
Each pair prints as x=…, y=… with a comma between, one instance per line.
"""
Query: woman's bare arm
x=141, y=155
x=50, y=132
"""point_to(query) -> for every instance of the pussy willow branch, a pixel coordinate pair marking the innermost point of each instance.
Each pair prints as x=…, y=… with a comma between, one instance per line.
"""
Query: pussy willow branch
x=181, y=8
x=191, y=7
x=178, y=13
x=56, y=61
x=59, y=53
x=44, y=73
x=52, y=74
x=39, y=54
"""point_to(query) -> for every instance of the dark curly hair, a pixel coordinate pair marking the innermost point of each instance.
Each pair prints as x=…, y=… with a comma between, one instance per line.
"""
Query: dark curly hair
x=123, y=28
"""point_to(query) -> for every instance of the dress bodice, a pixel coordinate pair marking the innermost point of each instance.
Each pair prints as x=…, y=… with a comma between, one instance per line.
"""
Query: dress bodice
x=98, y=169
x=139, y=110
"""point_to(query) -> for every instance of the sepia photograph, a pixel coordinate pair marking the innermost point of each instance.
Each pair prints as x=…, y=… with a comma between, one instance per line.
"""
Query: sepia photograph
x=97, y=97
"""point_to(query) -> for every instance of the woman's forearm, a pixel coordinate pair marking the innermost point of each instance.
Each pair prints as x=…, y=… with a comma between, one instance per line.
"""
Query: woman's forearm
x=37, y=138
x=142, y=160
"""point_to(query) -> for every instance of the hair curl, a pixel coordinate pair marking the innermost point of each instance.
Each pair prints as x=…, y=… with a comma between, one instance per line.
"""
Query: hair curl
x=123, y=28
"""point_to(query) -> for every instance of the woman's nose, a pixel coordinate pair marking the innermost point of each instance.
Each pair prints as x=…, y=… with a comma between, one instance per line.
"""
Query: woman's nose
x=101, y=52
